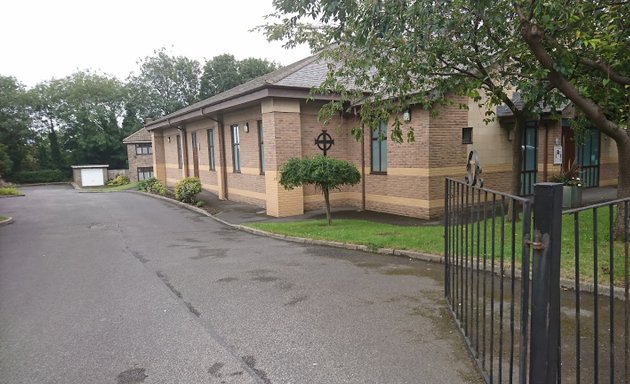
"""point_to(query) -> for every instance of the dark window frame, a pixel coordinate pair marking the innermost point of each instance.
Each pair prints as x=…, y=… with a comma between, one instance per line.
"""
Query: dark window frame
x=378, y=142
x=261, y=147
x=211, y=158
x=180, y=155
x=236, y=148
x=467, y=135
x=143, y=171
x=144, y=149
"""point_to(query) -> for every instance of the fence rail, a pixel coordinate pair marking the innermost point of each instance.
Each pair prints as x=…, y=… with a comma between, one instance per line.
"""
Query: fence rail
x=502, y=285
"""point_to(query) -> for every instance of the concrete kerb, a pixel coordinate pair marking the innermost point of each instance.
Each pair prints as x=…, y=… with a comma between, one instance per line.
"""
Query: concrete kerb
x=7, y=221
x=564, y=283
x=335, y=244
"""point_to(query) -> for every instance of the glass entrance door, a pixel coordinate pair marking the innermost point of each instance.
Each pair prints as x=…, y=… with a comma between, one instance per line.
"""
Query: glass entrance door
x=529, y=158
x=588, y=158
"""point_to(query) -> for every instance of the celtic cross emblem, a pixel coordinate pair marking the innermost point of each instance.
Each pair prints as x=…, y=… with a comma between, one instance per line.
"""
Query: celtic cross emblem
x=324, y=141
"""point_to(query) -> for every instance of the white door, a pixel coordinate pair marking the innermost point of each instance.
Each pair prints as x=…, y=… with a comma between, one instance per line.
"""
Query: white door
x=91, y=177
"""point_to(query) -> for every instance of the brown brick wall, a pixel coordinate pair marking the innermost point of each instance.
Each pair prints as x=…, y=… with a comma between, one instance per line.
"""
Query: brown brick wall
x=136, y=161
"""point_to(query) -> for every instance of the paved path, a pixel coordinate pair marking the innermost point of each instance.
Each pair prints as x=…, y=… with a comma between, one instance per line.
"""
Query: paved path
x=123, y=288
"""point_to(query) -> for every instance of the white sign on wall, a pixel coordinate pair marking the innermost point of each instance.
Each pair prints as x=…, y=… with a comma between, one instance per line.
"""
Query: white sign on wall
x=557, y=155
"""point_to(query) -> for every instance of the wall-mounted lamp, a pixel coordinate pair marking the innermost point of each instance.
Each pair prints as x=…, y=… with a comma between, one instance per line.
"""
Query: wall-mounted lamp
x=246, y=128
x=407, y=115
x=169, y=139
x=556, y=141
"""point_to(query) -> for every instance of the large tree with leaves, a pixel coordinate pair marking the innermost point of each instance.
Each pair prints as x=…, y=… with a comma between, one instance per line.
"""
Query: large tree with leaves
x=80, y=115
x=224, y=72
x=14, y=126
x=420, y=52
x=584, y=48
x=163, y=84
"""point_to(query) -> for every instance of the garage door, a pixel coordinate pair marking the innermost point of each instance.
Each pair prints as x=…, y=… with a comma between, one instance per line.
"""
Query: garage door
x=92, y=177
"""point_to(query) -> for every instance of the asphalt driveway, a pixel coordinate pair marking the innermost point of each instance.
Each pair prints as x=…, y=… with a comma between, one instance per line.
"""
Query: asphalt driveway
x=123, y=288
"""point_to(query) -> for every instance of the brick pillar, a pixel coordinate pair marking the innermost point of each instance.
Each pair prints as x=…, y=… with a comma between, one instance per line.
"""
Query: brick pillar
x=159, y=161
x=283, y=140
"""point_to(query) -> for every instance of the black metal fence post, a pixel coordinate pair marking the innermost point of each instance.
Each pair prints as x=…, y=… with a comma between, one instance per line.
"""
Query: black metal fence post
x=545, y=302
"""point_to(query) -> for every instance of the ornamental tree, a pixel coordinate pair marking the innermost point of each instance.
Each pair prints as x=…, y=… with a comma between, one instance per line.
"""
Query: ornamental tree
x=323, y=172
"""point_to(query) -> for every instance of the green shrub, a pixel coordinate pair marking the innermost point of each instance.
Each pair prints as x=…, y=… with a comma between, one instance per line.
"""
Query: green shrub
x=325, y=173
x=186, y=190
x=41, y=176
x=9, y=191
x=200, y=203
x=118, y=180
x=152, y=185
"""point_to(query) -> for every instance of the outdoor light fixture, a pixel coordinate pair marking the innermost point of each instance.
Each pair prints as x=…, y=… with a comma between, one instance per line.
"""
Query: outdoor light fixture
x=557, y=141
x=246, y=128
x=407, y=115
x=169, y=139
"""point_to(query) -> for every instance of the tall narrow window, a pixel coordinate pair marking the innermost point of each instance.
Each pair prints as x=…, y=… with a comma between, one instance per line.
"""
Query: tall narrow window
x=236, y=149
x=180, y=159
x=211, y=149
x=261, y=147
x=379, y=148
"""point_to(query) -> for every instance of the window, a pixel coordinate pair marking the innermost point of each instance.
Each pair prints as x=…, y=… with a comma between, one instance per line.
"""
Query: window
x=467, y=135
x=261, y=147
x=211, y=149
x=180, y=160
x=236, y=149
x=144, y=149
x=145, y=173
x=379, y=148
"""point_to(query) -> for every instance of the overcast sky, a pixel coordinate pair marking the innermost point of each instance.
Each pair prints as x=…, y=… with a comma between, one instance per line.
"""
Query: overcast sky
x=42, y=39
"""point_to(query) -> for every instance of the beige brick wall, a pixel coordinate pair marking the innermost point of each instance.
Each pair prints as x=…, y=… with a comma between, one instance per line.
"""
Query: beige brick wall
x=283, y=139
x=248, y=185
x=159, y=152
x=172, y=170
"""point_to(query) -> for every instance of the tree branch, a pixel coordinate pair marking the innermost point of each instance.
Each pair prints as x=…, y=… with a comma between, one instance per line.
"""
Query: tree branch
x=605, y=68
x=533, y=36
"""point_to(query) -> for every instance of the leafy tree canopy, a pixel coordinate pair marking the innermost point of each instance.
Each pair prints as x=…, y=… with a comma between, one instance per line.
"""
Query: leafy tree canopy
x=80, y=116
x=164, y=84
x=224, y=72
x=14, y=126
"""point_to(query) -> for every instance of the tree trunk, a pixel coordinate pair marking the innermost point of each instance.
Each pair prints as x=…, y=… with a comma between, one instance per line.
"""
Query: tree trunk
x=327, y=203
x=55, y=151
x=623, y=187
x=517, y=161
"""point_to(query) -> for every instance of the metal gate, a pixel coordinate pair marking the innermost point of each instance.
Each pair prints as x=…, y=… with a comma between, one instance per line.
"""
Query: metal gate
x=534, y=303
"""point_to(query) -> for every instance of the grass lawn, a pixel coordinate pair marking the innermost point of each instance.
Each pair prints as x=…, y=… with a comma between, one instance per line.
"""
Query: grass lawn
x=9, y=191
x=430, y=239
x=115, y=188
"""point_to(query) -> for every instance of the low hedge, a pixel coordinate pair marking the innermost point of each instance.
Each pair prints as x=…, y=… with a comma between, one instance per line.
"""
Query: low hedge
x=41, y=176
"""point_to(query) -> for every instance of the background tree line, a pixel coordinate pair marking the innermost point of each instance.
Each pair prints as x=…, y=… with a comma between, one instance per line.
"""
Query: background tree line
x=83, y=117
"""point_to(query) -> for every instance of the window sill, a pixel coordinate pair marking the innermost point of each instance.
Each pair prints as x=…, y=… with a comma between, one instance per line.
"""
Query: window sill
x=378, y=173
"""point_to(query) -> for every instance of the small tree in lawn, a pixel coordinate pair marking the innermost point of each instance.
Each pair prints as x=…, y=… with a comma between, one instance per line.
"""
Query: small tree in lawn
x=323, y=172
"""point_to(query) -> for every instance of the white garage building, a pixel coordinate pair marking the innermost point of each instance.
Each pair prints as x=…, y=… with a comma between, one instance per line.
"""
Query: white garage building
x=90, y=175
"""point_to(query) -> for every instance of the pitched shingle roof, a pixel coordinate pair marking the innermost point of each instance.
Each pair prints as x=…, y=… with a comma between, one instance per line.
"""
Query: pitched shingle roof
x=140, y=136
x=517, y=99
x=304, y=74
